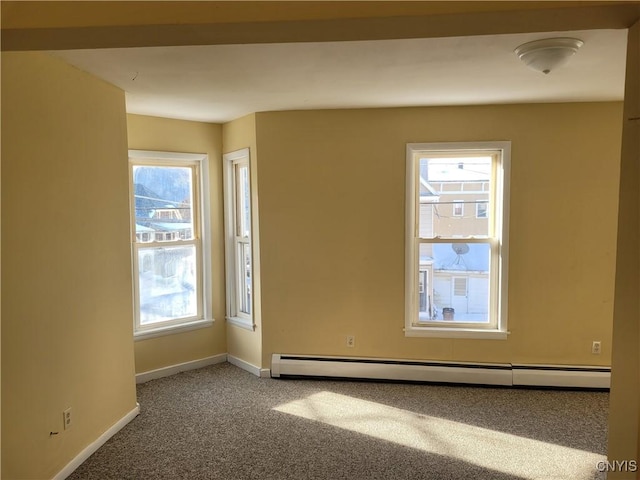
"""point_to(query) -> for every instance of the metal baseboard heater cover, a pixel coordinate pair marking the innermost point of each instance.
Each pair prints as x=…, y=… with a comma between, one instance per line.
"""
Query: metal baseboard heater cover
x=505, y=374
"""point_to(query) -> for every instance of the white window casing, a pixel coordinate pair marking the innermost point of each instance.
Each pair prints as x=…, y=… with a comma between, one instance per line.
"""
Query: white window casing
x=171, y=256
x=239, y=239
x=467, y=297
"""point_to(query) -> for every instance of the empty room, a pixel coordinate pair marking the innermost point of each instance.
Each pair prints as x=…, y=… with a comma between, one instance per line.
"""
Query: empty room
x=320, y=240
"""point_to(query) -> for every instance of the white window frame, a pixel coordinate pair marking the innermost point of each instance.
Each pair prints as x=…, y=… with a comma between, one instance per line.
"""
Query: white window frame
x=498, y=240
x=201, y=210
x=233, y=242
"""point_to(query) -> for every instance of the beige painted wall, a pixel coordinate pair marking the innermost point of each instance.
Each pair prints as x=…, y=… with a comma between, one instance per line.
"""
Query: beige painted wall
x=168, y=135
x=66, y=286
x=624, y=420
x=332, y=229
x=241, y=343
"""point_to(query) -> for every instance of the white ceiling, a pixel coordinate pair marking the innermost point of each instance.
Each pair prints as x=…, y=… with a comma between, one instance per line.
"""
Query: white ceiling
x=223, y=82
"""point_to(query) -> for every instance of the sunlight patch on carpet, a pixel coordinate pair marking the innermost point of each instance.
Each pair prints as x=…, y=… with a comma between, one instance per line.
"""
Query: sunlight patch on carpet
x=519, y=456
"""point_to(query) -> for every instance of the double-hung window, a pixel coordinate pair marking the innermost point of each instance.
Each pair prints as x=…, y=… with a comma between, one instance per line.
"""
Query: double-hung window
x=239, y=242
x=457, y=239
x=168, y=248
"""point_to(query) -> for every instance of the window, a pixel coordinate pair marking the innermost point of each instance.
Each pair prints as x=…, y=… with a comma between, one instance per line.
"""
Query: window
x=458, y=206
x=168, y=248
x=456, y=265
x=239, y=239
x=481, y=209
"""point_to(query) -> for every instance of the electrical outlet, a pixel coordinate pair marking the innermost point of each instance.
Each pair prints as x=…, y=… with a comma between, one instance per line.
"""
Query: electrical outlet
x=66, y=417
x=596, y=347
x=351, y=341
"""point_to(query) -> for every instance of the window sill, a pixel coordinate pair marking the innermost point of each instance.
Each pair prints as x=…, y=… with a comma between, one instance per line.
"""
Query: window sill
x=173, y=329
x=435, y=332
x=245, y=323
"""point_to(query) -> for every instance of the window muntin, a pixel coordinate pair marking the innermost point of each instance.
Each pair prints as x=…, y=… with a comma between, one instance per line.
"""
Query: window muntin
x=167, y=246
x=239, y=239
x=456, y=256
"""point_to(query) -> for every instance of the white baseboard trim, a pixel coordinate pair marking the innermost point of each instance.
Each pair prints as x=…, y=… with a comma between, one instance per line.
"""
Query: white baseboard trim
x=181, y=367
x=525, y=375
x=249, y=367
x=561, y=376
x=93, y=446
x=386, y=369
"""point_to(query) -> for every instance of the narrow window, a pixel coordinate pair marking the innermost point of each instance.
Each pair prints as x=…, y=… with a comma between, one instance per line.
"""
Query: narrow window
x=457, y=265
x=239, y=242
x=458, y=206
x=481, y=209
x=167, y=248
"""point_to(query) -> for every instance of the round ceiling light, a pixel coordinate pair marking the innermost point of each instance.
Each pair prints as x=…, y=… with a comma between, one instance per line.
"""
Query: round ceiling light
x=548, y=54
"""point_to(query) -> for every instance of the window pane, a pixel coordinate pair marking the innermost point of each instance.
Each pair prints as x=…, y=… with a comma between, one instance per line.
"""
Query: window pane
x=456, y=282
x=243, y=209
x=167, y=283
x=163, y=203
x=450, y=191
x=244, y=278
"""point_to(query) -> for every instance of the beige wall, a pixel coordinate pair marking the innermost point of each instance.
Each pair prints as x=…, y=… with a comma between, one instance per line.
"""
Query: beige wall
x=162, y=134
x=241, y=343
x=66, y=286
x=624, y=417
x=332, y=229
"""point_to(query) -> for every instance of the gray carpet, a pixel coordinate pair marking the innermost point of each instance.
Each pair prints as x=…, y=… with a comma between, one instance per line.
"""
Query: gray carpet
x=221, y=422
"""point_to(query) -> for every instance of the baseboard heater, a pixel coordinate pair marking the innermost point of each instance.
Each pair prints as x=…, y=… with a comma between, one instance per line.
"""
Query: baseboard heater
x=505, y=374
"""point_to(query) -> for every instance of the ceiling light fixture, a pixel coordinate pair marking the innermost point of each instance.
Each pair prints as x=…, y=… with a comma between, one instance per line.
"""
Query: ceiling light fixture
x=548, y=54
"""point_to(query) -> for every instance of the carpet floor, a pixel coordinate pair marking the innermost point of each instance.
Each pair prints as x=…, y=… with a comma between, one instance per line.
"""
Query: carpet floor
x=221, y=422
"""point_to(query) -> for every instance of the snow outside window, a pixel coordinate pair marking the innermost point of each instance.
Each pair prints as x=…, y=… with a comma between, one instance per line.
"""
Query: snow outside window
x=167, y=241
